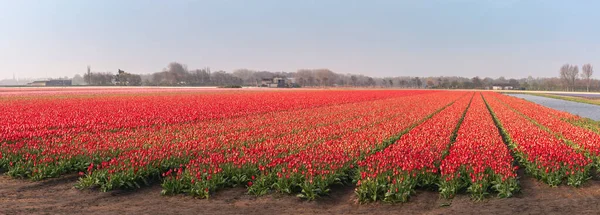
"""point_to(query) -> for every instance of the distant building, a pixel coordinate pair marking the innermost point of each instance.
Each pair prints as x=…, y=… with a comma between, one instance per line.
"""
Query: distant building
x=502, y=87
x=265, y=82
x=277, y=82
x=50, y=83
x=37, y=84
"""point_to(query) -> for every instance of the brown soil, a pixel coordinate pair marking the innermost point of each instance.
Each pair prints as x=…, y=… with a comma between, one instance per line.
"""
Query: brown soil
x=58, y=196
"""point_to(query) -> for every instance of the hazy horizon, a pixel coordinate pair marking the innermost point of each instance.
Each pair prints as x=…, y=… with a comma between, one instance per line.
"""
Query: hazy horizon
x=378, y=38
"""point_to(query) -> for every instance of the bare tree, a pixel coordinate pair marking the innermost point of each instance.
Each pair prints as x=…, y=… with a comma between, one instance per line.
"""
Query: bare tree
x=568, y=74
x=564, y=75
x=99, y=78
x=587, y=72
x=477, y=82
x=246, y=75
x=514, y=83
x=325, y=76
x=78, y=80
x=200, y=77
x=304, y=77
x=573, y=73
x=370, y=82
x=354, y=80
x=89, y=72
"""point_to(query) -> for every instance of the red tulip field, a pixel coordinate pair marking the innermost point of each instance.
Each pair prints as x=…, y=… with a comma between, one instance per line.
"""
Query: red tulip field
x=385, y=145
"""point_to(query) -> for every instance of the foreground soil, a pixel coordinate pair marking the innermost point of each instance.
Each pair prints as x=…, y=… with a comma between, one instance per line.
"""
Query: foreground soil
x=58, y=196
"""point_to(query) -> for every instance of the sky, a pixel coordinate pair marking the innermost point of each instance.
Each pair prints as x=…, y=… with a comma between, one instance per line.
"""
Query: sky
x=487, y=38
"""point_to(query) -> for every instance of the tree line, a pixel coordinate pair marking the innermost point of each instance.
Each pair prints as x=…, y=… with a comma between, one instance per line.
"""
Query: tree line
x=569, y=74
x=177, y=74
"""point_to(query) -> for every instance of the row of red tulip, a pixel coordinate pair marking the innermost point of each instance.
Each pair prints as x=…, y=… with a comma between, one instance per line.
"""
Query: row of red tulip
x=478, y=159
x=557, y=122
x=586, y=123
x=542, y=154
x=392, y=174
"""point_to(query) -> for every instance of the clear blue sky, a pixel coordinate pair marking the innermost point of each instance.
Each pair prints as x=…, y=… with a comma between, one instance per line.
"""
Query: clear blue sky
x=493, y=38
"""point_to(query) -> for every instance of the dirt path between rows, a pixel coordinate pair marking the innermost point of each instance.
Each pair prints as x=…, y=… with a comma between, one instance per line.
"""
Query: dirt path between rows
x=58, y=196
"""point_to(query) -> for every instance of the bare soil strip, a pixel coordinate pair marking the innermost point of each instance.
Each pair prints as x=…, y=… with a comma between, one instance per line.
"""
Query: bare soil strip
x=58, y=196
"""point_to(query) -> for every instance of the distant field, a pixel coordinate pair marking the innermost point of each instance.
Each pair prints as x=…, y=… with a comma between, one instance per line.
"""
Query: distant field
x=587, y=96
x=550, y=92
x=384, y=145
x=582, y=97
